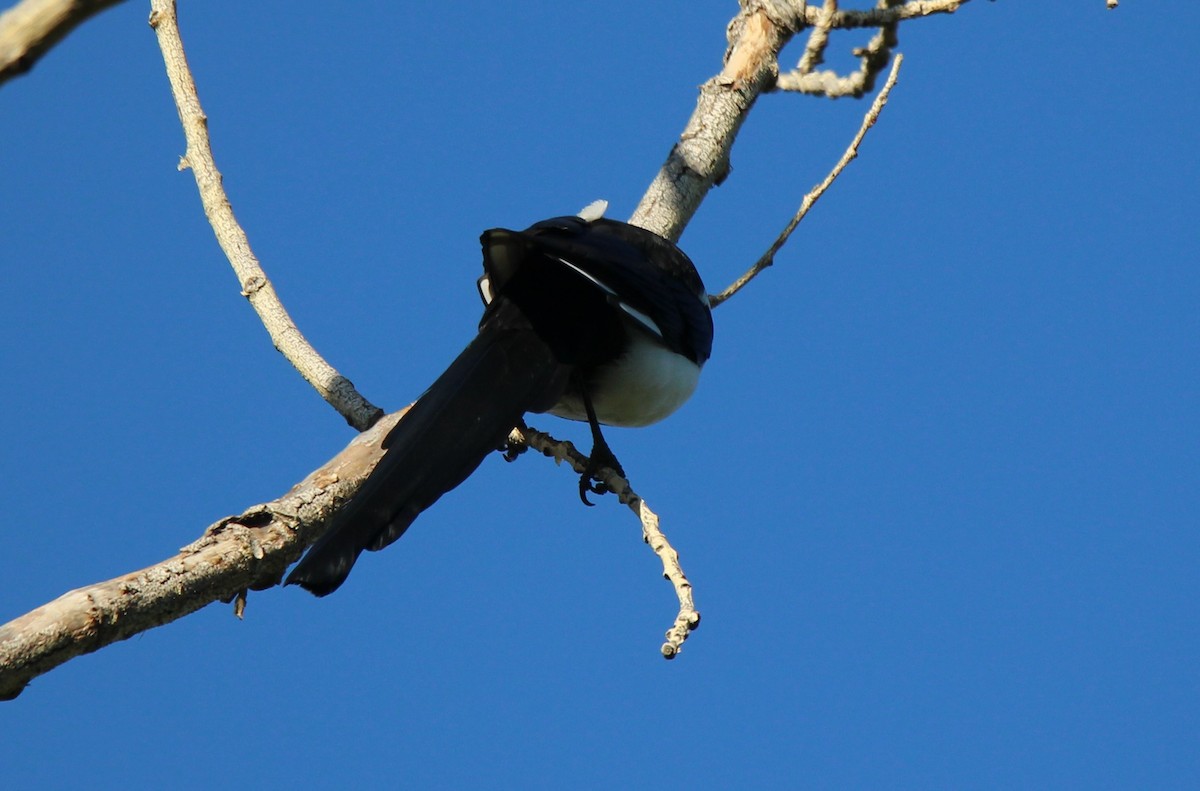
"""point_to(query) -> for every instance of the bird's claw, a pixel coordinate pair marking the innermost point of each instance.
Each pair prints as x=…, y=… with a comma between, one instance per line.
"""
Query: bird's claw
x=587, y=483
x=601, y=458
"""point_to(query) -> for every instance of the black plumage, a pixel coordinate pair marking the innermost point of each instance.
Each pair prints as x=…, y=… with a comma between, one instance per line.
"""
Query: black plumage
x=569, y=302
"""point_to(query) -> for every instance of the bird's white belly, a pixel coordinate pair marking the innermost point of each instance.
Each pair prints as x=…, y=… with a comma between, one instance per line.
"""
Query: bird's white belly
x=643, y=387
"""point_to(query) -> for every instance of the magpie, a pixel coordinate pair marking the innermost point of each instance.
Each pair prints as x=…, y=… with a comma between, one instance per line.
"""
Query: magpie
x=584, y=317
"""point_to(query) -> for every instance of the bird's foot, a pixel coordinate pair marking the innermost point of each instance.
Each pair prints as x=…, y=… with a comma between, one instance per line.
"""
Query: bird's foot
x=602, y=457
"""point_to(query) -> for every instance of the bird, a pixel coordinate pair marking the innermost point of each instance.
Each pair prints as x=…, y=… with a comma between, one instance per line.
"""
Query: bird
x=586, y=318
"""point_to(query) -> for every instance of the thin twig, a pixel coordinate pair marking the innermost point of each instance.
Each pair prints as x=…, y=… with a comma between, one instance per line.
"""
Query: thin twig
x=878, y=17
x=699, y=160
x=333, y=387
x=815, y=194
x=243, y=553
x=873, y=59
x=818, y=40
x=688, y=618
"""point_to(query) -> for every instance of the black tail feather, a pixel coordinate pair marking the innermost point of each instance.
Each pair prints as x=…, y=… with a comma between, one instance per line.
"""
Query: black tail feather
x=506, y=371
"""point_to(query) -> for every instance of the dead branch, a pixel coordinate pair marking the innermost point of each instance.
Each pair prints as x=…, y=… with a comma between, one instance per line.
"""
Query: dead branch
x=29, y=29
x=700, y=159
x=336, y=389
x=561, y=450
x=872, y=60
x=239, y=553
x=252, y=550
x=768, y=258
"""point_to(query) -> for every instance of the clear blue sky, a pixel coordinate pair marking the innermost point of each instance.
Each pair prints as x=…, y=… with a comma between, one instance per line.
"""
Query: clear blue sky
x=938, y=491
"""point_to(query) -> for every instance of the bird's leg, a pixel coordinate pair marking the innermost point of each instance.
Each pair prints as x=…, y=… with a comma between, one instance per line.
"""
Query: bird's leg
x=600, y=457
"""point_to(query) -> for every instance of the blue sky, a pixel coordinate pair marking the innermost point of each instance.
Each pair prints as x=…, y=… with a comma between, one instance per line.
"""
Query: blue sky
x=937, y=491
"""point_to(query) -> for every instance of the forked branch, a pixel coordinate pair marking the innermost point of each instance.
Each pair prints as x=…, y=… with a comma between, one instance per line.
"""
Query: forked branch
x=768, y=258
x=251, y=551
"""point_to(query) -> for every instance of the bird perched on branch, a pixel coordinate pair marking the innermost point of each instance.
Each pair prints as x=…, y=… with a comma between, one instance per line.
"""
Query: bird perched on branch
x=586, y=318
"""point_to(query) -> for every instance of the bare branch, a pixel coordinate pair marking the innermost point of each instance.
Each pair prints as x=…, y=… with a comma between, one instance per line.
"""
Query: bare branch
x=30, y=28
x=818, y=40
x=700, y=160
x=701, y=157
x=873, y=59
x=688, y=618
x=814, y=195
x=245, y=552
x=251, y=551
x=879, y=17
x=333, y=387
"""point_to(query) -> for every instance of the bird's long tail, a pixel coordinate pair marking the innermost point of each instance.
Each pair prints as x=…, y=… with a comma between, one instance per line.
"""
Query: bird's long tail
x=506, y=371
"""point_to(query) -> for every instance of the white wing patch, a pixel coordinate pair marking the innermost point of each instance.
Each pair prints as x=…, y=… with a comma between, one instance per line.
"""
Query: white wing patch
x=593, y=211
x=632, y=312
x=642, y=318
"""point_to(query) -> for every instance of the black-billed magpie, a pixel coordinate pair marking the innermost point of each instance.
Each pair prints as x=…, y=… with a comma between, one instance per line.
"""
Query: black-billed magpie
x=586, y=318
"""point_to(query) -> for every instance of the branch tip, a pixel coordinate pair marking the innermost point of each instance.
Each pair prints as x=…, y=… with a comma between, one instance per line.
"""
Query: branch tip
x=851, y=153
